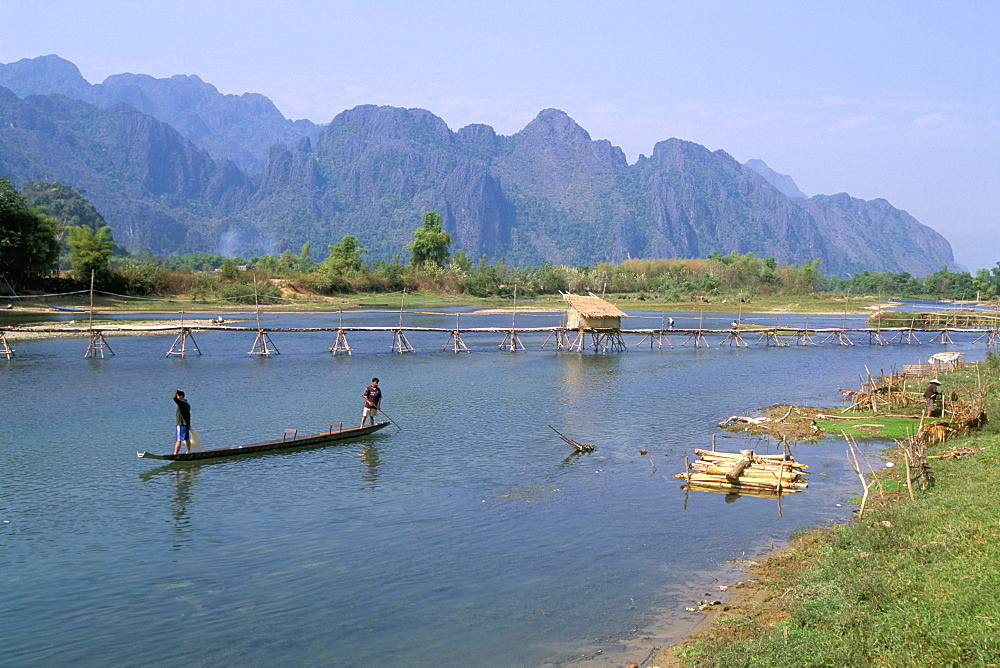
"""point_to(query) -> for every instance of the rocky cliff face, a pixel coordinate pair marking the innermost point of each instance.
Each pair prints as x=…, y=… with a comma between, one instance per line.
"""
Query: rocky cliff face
x=875, y=236
x=547, y=193
x=565, y=189
x=702, y=202
x=156, y=189
x=382, y=167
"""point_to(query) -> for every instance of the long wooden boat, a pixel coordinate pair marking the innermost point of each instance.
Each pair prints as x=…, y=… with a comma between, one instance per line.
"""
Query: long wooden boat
x=69, y=309
x=288, y=441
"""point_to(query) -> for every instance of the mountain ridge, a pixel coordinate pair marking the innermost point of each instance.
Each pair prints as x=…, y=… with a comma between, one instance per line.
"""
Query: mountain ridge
x=783, y=182
x=547, y=193
x=239, y=127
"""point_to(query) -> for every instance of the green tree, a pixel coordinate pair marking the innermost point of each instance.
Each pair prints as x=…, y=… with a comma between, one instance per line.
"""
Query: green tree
x=944, y=284
x=28, y=244
x=345, y=255
x=460, y=261
x=288, y=263
x=809, y=275
x=986, y=282
x=430, y=242
x=64, y=203
x=229, y=269
x=90, y=252
x=305, y=263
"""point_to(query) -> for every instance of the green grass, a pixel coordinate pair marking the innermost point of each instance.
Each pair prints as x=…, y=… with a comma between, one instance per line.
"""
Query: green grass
x=891, y=428
x=771, y=304
x=914, y=583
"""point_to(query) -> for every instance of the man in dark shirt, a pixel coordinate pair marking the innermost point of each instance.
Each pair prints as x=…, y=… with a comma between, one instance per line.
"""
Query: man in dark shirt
x=373, y=399
x=183, y=421
x=931, y=395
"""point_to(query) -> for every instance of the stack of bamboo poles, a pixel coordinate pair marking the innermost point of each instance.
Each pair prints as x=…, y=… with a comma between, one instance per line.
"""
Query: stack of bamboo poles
x=744, y=472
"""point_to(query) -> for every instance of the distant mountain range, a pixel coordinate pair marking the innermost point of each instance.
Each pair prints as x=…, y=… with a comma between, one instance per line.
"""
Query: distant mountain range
x=175, y=166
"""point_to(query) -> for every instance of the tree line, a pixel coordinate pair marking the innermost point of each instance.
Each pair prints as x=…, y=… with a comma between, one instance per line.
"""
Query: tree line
x=51, y=232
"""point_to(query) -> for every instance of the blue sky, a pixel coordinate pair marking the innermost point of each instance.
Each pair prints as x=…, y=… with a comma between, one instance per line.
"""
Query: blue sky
x=896, y=99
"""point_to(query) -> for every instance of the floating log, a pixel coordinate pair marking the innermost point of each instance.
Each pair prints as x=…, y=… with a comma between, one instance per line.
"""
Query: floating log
x=737, y=455
x=760, y=461
x=752, y=483
x=737, y=469
x=721, y=466
x=765, y=474
x=580, y=447
x=741, y=491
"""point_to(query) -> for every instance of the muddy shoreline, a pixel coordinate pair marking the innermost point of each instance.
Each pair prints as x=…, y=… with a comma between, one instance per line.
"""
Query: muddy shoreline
x=752, y=598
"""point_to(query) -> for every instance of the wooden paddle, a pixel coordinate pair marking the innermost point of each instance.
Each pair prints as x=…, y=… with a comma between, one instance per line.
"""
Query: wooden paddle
x=390, y=419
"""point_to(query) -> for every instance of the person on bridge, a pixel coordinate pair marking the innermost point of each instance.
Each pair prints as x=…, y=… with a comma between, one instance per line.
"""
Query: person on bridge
x=931, y=394
x=373, y=399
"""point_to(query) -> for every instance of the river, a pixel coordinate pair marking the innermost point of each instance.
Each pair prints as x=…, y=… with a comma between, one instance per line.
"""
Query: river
x=473, y=536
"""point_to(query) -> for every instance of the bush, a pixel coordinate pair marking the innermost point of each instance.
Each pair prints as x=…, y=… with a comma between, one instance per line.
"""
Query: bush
x=327, y=283
x=142, y=279
x=993, y=361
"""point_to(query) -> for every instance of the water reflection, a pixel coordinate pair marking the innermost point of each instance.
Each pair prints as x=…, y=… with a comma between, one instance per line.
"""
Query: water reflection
x=183, y=479
x=182, y=476
x=370, y=460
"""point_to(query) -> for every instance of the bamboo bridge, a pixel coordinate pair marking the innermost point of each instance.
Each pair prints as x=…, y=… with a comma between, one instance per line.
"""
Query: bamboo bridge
x=560, y=337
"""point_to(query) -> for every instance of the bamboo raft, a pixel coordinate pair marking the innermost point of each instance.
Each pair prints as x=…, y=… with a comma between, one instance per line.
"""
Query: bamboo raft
x=744, y=472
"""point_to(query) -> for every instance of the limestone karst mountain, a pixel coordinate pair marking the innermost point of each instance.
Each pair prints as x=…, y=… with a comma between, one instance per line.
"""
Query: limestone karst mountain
x=175, y=166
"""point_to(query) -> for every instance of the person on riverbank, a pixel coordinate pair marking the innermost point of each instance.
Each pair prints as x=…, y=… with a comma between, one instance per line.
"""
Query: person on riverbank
x=183, y=420
x=373, y=399
x=931, y=394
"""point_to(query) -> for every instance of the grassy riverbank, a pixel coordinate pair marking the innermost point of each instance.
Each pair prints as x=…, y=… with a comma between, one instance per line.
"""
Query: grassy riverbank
x=913, y=582
x=299, y=301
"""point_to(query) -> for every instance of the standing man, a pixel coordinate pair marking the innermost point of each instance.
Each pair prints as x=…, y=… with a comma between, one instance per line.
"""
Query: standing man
x=373, y=399
x=183, y=421
x=931, y=395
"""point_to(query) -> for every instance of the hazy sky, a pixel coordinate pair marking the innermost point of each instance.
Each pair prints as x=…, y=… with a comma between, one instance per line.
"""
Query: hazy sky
x=893, y=99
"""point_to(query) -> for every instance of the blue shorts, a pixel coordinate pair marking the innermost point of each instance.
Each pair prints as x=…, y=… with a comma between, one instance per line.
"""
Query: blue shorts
x=182, y=432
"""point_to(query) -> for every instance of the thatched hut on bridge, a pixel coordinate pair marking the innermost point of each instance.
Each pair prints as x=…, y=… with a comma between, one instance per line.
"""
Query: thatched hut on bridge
x=591, y=312
x=597, y=317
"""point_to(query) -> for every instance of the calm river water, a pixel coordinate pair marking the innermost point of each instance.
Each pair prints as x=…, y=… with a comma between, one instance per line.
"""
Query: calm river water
x=471, y=537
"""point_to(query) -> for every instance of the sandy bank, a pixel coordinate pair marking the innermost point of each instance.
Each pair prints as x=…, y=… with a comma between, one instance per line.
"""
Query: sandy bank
x=52, y=330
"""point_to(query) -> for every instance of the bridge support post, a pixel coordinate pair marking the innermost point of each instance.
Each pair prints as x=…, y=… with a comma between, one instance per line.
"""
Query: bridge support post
x=5, y=348
x=263, y=346
x=512, y=342
x=456, y=342
x=698, y=337
x=603, y=341
x=340, y=345
x=179, y=346
x=400, y=344
x=96, y=346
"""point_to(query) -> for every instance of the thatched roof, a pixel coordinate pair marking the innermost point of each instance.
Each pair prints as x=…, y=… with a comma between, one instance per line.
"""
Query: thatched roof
x=592, y=306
